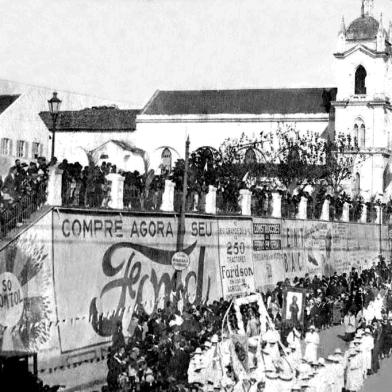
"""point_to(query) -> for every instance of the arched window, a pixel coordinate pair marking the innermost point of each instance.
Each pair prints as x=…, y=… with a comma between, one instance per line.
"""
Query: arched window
x=355, y=133
x=357, y=184
x=359, y=132
x=166, y=159
x=361, y=138
x=360, y=80
x=250, y=156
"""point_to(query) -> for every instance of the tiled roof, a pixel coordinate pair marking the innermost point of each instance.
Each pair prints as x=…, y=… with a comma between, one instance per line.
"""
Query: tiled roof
x=6, y=101
x=364, y=27
x=247, y=101
x=93, y=119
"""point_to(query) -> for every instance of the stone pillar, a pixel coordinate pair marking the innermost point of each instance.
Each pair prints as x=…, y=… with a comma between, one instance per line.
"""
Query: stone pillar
x=363, y=217
x=276, y=205
x=302, y=208
x=346, y=212
x=116, y=192
x=168, y=197
x=246, y=201
x=325, y=210
x=54, y=187
x=211, y=200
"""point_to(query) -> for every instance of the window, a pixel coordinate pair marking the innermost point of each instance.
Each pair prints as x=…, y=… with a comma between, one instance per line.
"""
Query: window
x=21, y=149
x=167, y=159
x=357, y=184
x=36, y=150
x=359, y=133
x=250, y=156
x=360, y=80
x=361, y=138
x=6, y=146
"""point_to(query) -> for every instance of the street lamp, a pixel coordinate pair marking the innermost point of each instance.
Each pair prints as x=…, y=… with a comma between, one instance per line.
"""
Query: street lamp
x=54, y=108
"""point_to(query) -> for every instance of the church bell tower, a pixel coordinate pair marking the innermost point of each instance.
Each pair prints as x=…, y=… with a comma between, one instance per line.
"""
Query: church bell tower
x=363, y=61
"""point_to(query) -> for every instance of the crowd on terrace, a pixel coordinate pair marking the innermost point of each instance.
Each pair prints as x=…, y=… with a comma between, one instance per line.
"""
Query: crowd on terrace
x=22, y=191
x=160, y=346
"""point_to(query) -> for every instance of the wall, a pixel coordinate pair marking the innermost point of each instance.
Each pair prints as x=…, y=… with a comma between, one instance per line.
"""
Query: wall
x=77, y=271
x=289, y=248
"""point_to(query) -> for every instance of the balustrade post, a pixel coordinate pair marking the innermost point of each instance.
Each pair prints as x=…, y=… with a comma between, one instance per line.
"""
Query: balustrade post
x=168, y=197
x=246, y=201
x=325, y=210
x=116, y=191
x=211, y=200
x=276, y=205
x=54, y=187
x=346, y=212
x=302, y=208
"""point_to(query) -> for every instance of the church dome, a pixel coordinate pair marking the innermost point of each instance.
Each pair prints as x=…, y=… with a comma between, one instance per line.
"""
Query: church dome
x=362, y=28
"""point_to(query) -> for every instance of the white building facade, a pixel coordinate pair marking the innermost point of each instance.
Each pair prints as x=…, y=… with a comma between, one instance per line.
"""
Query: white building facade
x=359, y=105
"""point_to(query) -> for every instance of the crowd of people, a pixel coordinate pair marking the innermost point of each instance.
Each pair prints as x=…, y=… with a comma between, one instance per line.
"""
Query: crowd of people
x=21, y=192
x=170, y=350
x=89, y=187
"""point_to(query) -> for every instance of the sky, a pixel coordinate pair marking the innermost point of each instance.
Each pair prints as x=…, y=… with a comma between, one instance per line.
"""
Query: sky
x=126, y=49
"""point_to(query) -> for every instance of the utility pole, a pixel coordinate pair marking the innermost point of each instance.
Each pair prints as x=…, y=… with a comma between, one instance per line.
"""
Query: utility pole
x=181, y=223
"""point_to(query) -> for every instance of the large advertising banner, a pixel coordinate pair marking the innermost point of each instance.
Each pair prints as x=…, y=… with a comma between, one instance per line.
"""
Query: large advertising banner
x=106, y=265
x=267, y=251
x=27, y=306
x=289, y=248
x=236, y=261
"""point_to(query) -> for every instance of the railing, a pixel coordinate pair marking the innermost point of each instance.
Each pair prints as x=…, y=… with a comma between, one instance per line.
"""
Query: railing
x=15, y=212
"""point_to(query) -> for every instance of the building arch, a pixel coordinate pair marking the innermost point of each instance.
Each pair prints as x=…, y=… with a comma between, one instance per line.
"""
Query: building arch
x=360, y=80
x=166, y=159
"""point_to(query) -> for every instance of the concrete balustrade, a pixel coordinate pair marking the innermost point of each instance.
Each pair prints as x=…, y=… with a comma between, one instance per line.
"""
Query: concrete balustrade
x=276, y=205
x=346, y=212
x=54, y=187
x=245, y=201
x=302, y=208
x=168, y=197
x=116, y=193
x=211, y=200
x=325, y=210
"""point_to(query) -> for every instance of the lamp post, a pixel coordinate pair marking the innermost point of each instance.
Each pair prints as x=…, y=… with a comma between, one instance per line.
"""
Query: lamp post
x=54, y=108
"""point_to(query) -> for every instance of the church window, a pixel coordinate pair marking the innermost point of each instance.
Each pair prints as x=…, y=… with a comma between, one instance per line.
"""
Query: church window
x=357, y=184
x=360, y=80
x=361, y=139
x=359, y=133
x=250, y=156
x=355, y=133
x=166, y=159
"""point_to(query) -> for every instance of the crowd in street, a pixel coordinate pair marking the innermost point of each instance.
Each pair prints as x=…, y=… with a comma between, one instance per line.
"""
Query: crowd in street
x=189, y=350
x=21, y=191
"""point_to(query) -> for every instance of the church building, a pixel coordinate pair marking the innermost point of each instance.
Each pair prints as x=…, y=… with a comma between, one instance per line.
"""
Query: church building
x=358, y=105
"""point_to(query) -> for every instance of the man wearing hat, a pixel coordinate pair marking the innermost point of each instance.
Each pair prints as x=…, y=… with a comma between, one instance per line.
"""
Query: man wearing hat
x=312, y=340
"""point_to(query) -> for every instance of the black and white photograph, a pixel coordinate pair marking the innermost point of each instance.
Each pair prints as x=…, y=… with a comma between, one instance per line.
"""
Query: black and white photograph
x=294, y=305
x=196, y=195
